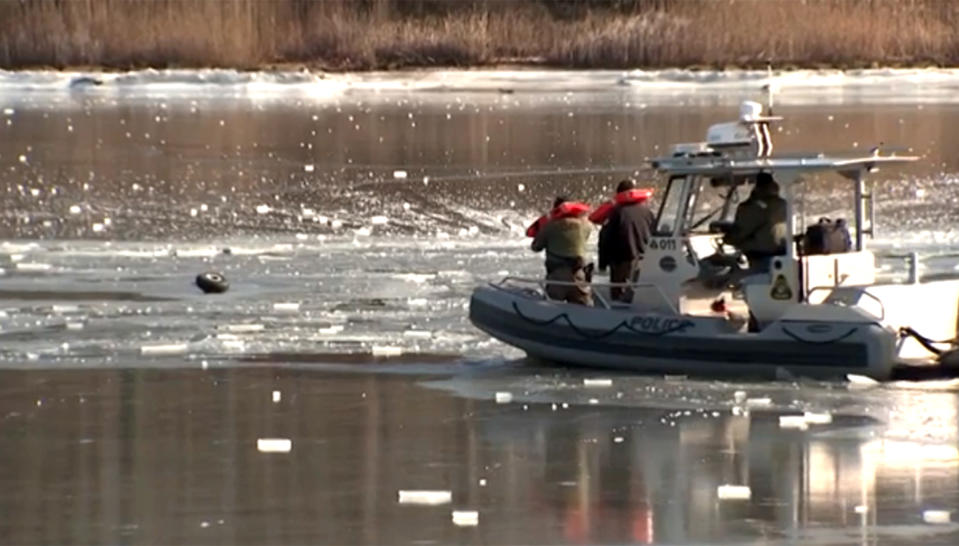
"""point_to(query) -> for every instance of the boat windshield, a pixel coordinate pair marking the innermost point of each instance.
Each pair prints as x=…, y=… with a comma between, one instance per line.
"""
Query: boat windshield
x=692, y=204
x=714, y=202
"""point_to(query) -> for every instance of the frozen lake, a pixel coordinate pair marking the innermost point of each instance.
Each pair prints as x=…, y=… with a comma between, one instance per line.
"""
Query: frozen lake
x=352, y=216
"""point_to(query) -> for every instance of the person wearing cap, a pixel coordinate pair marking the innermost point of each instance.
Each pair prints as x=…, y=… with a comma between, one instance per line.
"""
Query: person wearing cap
x=564, y=238
x=759, y=230
x=623, y=238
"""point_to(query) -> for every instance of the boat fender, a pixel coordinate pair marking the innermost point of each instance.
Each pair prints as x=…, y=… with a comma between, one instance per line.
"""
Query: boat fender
x=534, y=228
x=570, y=209
x=212, y=282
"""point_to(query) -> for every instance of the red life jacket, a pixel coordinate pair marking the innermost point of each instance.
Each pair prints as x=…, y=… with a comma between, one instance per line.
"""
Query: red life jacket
x=569, y=209
x=628, y=197
x=636, y=195
x=534, y=228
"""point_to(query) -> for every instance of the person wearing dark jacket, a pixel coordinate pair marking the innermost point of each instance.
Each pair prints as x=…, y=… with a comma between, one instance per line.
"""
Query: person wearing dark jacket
x=759, y=230
x=623, y=239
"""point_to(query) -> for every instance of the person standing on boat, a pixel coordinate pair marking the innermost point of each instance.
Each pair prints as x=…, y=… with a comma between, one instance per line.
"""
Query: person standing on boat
x=759, y=230
x=563, y=238
x=623, y=237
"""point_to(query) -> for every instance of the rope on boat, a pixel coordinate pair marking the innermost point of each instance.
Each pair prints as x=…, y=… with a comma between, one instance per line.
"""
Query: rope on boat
x=929, y=344
x=820, y=342
x=623, y=324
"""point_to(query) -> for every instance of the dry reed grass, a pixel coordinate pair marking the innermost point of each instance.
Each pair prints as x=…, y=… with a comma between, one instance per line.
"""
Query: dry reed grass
x=372, y=34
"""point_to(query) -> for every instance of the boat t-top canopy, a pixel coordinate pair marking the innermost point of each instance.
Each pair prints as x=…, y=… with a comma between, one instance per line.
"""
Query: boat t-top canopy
x=788, y=168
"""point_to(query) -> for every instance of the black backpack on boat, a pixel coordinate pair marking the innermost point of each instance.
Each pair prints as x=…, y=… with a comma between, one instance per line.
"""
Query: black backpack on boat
x=827, y=237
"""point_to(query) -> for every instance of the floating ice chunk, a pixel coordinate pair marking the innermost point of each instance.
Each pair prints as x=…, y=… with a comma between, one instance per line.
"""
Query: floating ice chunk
x=937, y=517
x=465, y=518
x=813, y=418
x=427, y=497
x=860, y=381
x=166, y=349
x=286, y=306
x=308, y=167
x=733, y=492
x=793, y=421
x=399, y=175
x=75, y=209
x=503, y=397
x=240, y=328
x=379, y=220
x=756, y=402
x=386, y=350
x=277, y=395
x=418, y=334
x=274, y=445
x=597, y=382
x=33, y=266
x=262, y=209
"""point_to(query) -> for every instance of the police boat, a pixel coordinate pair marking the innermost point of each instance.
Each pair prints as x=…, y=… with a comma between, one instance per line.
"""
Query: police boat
x=821, y=310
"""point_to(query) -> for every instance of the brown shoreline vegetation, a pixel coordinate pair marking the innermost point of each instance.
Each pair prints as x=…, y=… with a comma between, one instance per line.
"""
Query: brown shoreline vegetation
x=389, y=34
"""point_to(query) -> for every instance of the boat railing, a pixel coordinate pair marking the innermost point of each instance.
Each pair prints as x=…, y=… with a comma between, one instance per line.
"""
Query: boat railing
x=603, y=300
x=860, y=290
x=914, y=261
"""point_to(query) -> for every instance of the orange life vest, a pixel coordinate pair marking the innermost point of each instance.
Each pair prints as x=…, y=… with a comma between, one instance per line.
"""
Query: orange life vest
x=569, y=209
x=534, y=228
x=628, y=197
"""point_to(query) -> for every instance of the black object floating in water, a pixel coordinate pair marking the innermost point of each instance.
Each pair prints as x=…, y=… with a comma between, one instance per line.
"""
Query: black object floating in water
x=212, y=282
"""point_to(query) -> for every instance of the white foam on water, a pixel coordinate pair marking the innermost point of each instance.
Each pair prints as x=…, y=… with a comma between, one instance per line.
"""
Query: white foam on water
x=597, y=382
x=286, y=306
x=465, y=518
x=327, y=330
x=418, y=334
x=733, y=492
x=424, y=497
x=74, y=326
x=417, y=302
x=166, y=349
x=274, y=445
x=64, y=308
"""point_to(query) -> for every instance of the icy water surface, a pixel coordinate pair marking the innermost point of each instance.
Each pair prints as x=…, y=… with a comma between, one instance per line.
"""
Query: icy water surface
x=352, y=226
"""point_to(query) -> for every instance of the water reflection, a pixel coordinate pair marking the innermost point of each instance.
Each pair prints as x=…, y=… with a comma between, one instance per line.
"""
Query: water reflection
x=151, y=456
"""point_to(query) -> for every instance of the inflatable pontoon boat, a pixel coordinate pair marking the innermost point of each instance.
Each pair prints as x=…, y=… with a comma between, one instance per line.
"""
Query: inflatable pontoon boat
x=814, y=315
